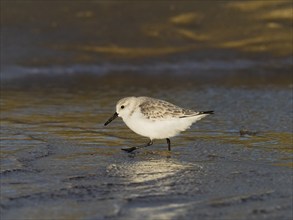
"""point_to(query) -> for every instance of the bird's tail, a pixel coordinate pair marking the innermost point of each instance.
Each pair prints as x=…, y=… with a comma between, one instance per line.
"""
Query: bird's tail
x=206, y=113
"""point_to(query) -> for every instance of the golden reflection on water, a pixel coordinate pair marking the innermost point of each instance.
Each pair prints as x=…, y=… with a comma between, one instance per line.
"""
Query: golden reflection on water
x=133, y=52
x=192, y=35
x=248, y=26
x=186, y=18
x=270, y=31
x=253, y=5
x=172, y=28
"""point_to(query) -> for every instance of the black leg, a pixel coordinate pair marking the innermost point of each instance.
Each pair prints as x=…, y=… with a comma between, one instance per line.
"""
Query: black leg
x=169, y=144
x=130, y=149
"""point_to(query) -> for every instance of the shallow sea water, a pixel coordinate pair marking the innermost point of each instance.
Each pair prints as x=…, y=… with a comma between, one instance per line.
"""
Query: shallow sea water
x=59, y=161
x=64, y=65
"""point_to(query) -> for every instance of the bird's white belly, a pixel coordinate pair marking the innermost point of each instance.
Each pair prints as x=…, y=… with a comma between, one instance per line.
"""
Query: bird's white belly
x=159, y=129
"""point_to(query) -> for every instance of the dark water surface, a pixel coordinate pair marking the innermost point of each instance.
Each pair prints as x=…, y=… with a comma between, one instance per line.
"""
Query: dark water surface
x=64, y=66
x=59, y=161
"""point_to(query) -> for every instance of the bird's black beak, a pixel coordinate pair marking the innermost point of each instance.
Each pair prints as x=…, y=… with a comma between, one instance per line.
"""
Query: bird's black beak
x=111, y=119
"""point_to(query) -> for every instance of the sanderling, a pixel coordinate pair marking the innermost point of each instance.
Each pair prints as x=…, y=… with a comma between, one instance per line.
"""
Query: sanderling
x=155, y=118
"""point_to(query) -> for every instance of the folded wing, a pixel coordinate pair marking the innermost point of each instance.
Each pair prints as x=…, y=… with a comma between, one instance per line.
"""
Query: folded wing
x=158, y=109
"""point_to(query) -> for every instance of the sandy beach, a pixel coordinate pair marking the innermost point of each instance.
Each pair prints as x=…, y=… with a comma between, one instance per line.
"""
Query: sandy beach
x=63, y=70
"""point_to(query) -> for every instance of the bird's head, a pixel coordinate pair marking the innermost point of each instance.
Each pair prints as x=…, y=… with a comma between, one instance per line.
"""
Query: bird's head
x=124, y=108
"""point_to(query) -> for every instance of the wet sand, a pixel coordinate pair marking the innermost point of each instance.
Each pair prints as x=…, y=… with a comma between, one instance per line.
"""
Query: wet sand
x=64, y=68
x=59, y=161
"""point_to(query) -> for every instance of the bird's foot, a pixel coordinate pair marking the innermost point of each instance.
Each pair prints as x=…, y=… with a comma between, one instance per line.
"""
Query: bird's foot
x=129, y=149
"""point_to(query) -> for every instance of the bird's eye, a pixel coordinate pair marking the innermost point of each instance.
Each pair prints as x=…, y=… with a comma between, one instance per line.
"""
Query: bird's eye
x=122, y=106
